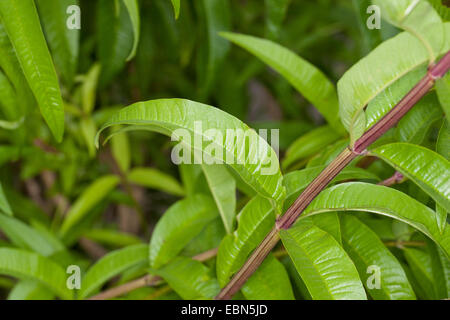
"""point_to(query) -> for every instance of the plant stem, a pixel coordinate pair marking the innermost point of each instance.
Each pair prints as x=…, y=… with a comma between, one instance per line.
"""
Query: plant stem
x=397, y=177
x=329, y=173
x=147, y=280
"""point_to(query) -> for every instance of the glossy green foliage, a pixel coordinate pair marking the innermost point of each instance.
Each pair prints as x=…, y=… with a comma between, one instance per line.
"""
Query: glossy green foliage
x=356, y=91
x=326, y=269
x=22, y=24
x=140, y=150
x=417, y=17
x=366, y=251
x=87, y=200
x=62, y=40
x=358, y=196
x=111, y=265
x=426, y=168
x=190, y=279
x=254, y=161
x=180, y=224
x=254, y=222
x=23, y=264
x=269, y=282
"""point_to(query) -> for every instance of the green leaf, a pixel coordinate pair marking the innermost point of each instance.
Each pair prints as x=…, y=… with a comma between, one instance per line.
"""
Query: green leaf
x=155, y=179
x=269, y=282
x=254, y=222
x=110, y=266
x=249, y=160
x=359, y=196
x=8, y=98
x=420, y=263
x=21, y=22
x=223, y=190
x=120, y=148
x=386, y=64
x=26, y=265
x=296, y=181
x=309, y=144
x=90, y=197
x=189, y=278
x=366, y=250
x=443, y=141
x=440, y=266
x=12, y=69
x=217, y=17
x=112, y=237
x=418, y=18
x=27, y=237
x=176, y=8
x=88, y=129
x=89, y=89
x=133, y=10
x=326, y=269
x=330, y=223
x=370, y=38
x=429, y=170
x=307, y=79
x=441, y=218
x=115, y=38
x=414, y=126
x=443, y=92
x=30, y=290
x=4, y=204
x=441, y=8
x=63, y=42
x=275, y=11
x=180, y=223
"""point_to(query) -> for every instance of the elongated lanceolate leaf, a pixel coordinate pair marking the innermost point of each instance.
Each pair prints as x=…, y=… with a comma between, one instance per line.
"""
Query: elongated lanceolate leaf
x=26, y=265
x=296, y=181
x=415, y=125
x=115, y=38
x=386, y=64
x=269, y=282
x=306, y=78
x=190, y=279
x=223, y=190
x=155, y=179
x=180, y=224
x=443, y=92
x=111, y=265
x=176, y=8
x=62, y=40
x=217, y=135
x=21, y=22
x=90, y=197
x=309, y=144
x=133, y=11
x=324, y=266
x=359, y=196
x=27, y=237
x=4, y=204
x=417, y=17
x=429, y=170
x=254, y=222
x=216, y=15
x=369, y=254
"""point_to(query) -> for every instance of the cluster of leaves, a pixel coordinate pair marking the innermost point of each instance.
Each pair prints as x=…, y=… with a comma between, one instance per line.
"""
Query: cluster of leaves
x=63, y=202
